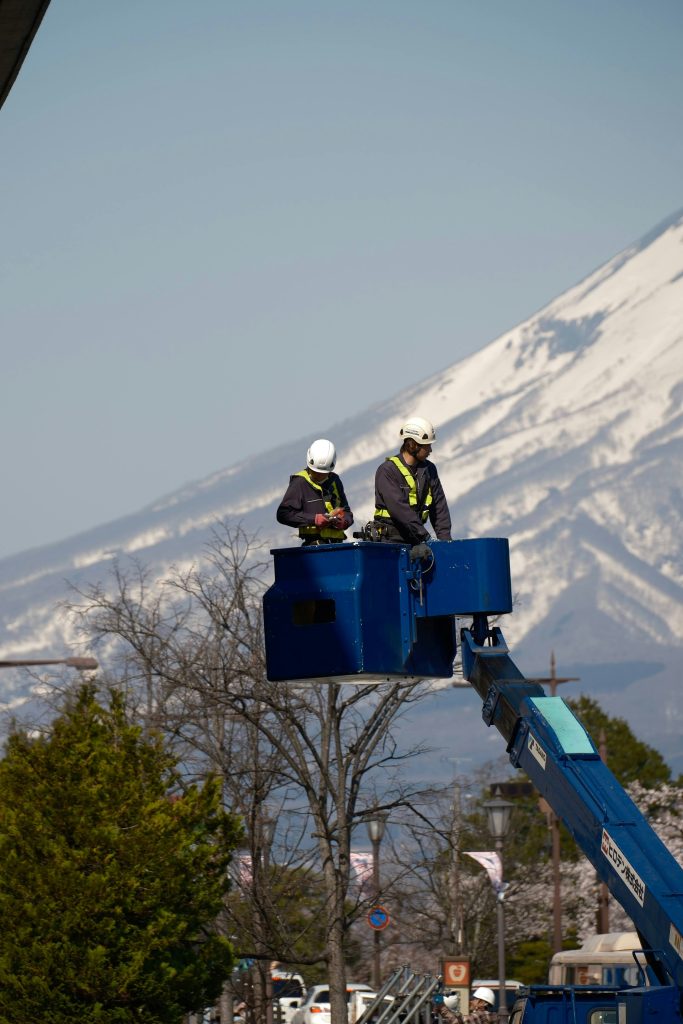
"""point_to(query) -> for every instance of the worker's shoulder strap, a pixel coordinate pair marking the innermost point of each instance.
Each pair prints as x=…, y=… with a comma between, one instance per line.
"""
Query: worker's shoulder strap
x=403, y=470
x=334, y=484
x=423, y=499
x=307, y=477
x=420, y=503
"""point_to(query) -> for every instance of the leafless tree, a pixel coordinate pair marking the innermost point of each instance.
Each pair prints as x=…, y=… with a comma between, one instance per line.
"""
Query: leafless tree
x=322, y=756
x=443, y=901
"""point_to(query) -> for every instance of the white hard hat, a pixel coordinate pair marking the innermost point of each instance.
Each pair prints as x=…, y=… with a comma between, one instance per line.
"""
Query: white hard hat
x=486, y=994
x=419, y=429
x=452, y=1001
x=321, y=456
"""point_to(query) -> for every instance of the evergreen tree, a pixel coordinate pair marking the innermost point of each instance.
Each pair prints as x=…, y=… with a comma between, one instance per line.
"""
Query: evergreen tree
x=112, y=875
x=629, y=758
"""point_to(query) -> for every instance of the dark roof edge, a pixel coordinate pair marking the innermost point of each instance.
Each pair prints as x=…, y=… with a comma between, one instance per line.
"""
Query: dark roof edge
x=19, y=22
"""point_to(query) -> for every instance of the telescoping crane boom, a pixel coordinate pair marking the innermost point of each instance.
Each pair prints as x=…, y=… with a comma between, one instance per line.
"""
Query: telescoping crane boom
x=365, y=612
x=546, y=740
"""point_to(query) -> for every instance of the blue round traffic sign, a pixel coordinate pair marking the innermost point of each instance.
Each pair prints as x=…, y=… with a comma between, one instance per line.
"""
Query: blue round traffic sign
x=378, y=918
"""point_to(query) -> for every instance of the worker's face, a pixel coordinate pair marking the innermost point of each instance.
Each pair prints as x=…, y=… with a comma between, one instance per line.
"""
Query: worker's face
x=479, y=1004
x=423, y=452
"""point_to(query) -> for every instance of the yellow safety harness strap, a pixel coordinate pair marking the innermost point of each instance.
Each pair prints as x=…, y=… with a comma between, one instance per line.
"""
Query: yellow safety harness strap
x=423, y=512
x=326, y=532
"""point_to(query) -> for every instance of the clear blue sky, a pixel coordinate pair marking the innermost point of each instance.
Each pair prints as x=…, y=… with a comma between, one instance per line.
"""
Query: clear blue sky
x=230, y=224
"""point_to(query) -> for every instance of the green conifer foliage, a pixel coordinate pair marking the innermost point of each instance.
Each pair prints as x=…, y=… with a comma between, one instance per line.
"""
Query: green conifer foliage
x=112, y=875
x=629, y=758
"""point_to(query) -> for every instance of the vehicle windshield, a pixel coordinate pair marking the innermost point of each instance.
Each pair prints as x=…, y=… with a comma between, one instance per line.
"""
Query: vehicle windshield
x=283, y=987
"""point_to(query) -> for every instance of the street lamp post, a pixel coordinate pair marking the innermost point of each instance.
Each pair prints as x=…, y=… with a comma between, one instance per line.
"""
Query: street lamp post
x=498, y=813
x=267, y=833
x=456, y=928
x=376, y=825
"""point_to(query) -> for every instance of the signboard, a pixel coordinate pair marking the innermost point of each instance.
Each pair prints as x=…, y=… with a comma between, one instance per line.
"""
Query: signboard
x=378, y=919
x=456, y=973
x=457, y=980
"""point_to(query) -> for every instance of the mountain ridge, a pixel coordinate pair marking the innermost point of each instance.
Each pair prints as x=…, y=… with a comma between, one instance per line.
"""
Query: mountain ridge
x=564, y=434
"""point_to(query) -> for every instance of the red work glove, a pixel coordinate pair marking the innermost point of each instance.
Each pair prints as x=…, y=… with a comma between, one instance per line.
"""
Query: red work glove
x=338, y=519
x=321, y=520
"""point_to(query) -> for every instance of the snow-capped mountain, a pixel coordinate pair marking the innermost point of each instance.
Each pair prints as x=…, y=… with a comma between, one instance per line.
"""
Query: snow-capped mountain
x=565, y=435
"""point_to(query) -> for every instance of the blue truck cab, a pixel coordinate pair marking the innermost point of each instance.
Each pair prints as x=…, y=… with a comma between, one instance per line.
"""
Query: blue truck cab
x=595, y=1004
x=559, y=1004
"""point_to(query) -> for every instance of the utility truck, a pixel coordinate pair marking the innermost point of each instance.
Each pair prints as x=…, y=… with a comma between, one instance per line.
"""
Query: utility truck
x=602, y=960
x=289, y=992
x=365, y=612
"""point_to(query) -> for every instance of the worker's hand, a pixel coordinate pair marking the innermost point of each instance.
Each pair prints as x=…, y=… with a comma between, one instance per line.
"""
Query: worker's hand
x=321, y=519
x=422, y=550
x=341, y=522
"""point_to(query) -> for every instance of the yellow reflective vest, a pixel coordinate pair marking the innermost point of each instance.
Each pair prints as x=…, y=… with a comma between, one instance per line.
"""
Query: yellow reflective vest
x=326, y=532
x=423, y=512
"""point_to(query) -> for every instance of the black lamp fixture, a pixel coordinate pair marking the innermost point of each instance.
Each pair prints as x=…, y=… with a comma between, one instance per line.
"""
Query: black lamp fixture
x=498, y=813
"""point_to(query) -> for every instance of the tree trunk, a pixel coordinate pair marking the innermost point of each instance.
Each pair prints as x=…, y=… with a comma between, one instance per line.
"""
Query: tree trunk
x=336, y=964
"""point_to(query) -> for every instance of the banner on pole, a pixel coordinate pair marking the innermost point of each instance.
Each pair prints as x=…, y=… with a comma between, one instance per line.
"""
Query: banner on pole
x=490, y=860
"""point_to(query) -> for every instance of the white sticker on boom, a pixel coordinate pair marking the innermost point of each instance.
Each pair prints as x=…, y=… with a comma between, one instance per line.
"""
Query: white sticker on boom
x=676, y=940
x=537, y=751
x=626, y=872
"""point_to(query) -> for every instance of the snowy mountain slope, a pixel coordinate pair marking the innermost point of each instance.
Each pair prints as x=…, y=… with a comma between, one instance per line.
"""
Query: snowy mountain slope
x=565, y=434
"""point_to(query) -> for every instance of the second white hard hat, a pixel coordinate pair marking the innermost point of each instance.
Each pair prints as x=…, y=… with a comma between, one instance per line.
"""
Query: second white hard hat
x=486, y=994
x=321, y=456
x=419, y=429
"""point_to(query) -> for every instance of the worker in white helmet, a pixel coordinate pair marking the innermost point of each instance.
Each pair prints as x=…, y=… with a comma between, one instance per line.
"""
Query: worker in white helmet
x=314, y=502
x=482, y=1004
x=408, y=492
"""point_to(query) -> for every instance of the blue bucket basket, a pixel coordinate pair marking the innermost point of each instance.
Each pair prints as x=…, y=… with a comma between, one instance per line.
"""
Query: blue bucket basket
x=363, y=612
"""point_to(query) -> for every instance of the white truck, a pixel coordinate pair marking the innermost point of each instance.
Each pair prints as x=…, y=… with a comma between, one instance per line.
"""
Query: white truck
x=289, y=992
x=602, y=960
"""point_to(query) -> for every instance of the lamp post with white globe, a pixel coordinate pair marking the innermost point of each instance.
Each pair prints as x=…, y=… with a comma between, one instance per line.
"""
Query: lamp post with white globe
x=375, y=826
x=498, y=813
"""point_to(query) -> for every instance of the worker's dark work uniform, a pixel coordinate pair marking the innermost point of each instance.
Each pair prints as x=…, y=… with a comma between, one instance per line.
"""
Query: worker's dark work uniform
x=305, y=498
x=406, y=497
x=482, y=1016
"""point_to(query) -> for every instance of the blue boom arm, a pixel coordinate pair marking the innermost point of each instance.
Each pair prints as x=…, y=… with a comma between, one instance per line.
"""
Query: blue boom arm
x=366, y=612
x=547, y=741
